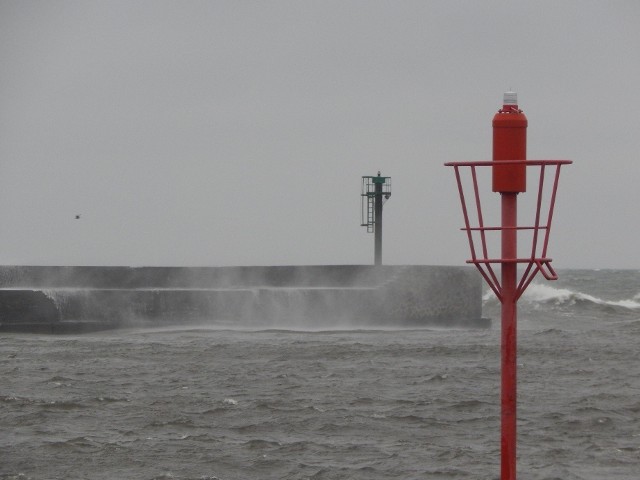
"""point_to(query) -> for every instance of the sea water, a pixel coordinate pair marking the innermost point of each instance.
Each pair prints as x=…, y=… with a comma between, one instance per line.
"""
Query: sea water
x=207, y=403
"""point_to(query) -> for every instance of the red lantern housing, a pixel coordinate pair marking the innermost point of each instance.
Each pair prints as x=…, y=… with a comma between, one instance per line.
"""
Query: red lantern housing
x=509, y=143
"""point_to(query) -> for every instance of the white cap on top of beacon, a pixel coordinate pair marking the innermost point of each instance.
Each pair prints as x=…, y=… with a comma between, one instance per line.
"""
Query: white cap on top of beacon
x=510, y=98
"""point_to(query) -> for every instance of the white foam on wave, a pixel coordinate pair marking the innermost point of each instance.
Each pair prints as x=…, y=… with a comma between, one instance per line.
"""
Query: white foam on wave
x=538, y=292
x=542, y=293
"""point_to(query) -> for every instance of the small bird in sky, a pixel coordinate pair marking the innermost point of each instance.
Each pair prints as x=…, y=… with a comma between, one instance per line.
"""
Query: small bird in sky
x=78, y=216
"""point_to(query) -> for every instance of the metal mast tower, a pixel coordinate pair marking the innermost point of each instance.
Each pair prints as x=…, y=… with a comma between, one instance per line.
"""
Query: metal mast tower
x=375, y=191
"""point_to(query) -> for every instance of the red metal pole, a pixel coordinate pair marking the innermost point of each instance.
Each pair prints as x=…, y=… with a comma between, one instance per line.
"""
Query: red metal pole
x=509, y=335
x=509, y=143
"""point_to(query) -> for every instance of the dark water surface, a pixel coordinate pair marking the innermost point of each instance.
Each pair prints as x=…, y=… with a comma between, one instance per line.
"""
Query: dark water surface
x=202, y=403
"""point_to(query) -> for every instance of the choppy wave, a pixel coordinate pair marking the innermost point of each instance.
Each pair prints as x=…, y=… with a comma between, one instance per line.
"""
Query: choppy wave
x=559, y=296
x=542, y=294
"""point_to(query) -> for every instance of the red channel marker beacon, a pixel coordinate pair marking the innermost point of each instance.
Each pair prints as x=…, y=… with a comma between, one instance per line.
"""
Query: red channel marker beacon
x=509, y=179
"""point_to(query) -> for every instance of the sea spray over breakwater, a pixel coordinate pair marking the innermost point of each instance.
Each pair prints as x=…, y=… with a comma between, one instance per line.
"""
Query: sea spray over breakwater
x=72, y=299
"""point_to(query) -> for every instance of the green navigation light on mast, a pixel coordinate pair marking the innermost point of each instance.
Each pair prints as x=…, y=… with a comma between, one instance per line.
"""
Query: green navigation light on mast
x=375, y=191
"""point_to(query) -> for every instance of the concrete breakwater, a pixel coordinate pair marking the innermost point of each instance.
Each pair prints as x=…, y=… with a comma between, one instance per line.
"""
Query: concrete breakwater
x=76, y=299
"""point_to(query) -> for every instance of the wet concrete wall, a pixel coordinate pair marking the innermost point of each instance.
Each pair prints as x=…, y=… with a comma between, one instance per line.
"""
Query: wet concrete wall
x=74, y=299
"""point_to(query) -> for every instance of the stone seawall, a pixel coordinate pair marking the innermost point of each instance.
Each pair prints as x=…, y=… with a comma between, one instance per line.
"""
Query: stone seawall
x=76, y=299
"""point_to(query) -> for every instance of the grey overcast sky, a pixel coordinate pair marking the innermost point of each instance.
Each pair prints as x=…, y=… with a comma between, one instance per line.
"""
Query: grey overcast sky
x=236, y=132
